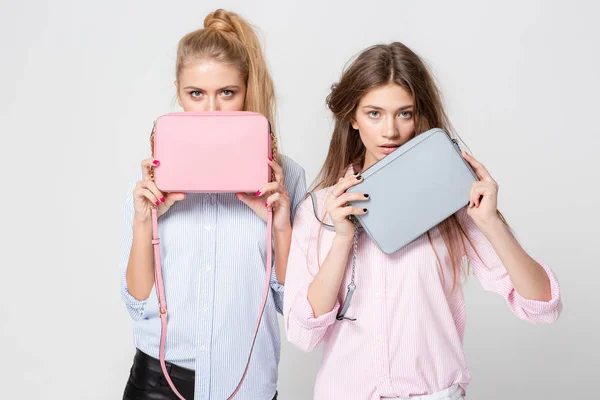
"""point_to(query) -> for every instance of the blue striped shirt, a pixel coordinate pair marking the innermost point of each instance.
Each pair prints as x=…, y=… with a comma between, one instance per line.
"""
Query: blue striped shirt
x=213, y=255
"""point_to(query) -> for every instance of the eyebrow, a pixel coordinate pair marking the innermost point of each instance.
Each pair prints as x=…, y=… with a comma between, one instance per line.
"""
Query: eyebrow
x=403, y=108
x=223, y=88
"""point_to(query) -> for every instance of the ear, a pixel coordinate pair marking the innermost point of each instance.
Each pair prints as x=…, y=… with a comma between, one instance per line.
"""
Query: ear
x=178, y=98
x=354, y=124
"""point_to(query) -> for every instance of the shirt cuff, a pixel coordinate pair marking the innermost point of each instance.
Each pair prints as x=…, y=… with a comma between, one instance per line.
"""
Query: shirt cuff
x=275, y=285
x=134, y=306
x=303, y=314
x=536, y=307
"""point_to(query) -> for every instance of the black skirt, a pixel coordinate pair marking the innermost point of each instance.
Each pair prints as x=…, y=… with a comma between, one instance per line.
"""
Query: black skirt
x=147, y=382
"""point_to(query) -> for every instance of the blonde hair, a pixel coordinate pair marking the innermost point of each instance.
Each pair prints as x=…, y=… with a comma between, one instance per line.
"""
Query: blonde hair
x=228, y=38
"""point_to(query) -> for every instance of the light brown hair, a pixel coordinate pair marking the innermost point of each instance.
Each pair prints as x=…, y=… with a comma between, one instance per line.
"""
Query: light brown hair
x=377, y=66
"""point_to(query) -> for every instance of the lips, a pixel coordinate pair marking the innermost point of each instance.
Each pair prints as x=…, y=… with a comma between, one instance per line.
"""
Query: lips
x=388, y=148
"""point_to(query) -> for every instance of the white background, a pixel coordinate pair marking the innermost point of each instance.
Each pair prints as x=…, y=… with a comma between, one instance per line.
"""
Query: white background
x=81, y=83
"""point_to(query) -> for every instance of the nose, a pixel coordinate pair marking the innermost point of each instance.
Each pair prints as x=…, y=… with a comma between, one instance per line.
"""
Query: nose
x=212, y=104
x=390, y=128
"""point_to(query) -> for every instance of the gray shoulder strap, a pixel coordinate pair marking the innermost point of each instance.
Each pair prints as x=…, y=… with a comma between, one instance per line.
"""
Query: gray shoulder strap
x=331, y=228
x=313, y=197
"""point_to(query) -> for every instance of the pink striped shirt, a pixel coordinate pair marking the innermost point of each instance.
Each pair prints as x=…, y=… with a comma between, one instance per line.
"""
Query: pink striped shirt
x=407, y=339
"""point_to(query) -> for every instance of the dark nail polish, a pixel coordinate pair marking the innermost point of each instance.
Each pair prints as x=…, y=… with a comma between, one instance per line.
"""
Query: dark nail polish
x=357, y=172
x=364, y=209
x=359, y=177
x=366, y=195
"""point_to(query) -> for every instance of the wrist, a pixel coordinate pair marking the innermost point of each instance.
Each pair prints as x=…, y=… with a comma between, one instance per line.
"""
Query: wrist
x=282, y=230
x=142, y=224
x=141, y=217
x=492, y=227
x=343, y=240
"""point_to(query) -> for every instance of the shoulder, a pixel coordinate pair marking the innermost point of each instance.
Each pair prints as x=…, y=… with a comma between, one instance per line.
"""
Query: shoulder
x=290, y=167
x=294, y=177
x=314, y=205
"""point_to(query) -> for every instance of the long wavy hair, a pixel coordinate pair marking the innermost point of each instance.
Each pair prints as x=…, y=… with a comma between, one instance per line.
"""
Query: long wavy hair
x=377, y=66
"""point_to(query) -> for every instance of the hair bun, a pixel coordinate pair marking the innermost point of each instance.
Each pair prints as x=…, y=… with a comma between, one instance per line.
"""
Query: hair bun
x=220, y=20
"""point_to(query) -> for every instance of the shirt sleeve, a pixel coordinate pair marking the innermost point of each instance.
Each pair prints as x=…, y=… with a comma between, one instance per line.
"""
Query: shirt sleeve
x=493, y=276
x=302, y=328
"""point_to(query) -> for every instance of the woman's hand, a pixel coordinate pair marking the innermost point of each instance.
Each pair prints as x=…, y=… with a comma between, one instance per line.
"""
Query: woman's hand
x=147, y=196
x=483, y=202
x=274, y=195
x=336, y=204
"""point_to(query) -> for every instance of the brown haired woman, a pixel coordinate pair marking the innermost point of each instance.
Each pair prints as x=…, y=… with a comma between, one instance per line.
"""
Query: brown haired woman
x=212, y=245
x=402, y=335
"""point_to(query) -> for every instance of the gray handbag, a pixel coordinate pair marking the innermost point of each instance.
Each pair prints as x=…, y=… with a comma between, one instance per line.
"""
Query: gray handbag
x=413, y=189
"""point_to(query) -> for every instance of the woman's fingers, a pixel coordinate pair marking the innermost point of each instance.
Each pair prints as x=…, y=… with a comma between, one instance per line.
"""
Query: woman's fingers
x=147, y=166
x=345, y=184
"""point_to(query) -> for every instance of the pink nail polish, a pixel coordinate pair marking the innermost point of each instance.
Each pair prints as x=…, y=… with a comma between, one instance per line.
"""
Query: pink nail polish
x=157, y=203
x=155, y=162
x=258, y=193
x=266, y=204
x=270, y=159
x=162, y=199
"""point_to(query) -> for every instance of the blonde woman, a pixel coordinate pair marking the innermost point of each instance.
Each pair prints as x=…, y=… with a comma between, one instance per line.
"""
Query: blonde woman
x=212, y=245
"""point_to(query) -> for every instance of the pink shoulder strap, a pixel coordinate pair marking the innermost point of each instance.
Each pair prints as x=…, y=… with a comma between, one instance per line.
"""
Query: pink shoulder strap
x=162, y=304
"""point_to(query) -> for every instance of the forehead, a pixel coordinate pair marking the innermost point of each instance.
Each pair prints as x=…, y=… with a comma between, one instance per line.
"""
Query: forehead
x=210, y=75
x=387, y=96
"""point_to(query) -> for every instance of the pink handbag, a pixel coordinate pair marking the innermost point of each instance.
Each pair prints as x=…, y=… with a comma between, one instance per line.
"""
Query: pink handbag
x=210, y=152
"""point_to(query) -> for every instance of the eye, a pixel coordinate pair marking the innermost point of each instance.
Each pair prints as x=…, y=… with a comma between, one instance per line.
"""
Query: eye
x=227, y=93
x=196, y=93
x=374, y=114
x=406, y=114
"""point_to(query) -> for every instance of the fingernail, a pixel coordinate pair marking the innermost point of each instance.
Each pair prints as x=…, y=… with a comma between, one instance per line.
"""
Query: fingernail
x=266, y=204
x=364, y=209
x=359, y=177
x=155, y=162
x=257, y=193
x=162, y=199
x=366, y=195
x=270, y=159
x=357, y=172
x=157, y=203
